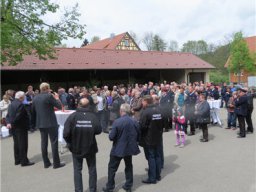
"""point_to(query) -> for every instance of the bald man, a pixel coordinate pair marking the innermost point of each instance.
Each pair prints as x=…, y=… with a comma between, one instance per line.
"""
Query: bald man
x=79, y=132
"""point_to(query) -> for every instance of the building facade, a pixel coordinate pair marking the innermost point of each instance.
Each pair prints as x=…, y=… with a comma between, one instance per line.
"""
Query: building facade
x=244, y=74
x=114, y=62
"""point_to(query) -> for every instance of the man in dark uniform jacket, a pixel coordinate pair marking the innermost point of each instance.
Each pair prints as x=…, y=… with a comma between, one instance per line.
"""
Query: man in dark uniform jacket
x=151, y=125
x=249, y=112
x=17, y=119
x=166, y=104
x=71, y=99
x=79, y=132
x=125, y=136
x=190, y=103
x=85, y=94
x=28, y=106
x=223, y=93
x=241, y=106
x=45, y=120
x=214, y=93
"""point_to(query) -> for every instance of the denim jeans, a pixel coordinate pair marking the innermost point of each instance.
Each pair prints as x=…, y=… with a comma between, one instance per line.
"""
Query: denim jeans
x=112, y=168
x=146, y=151
x=231, y=119
x=161, y=151
x=78, y=166
x=154, y=162
x=162, y=154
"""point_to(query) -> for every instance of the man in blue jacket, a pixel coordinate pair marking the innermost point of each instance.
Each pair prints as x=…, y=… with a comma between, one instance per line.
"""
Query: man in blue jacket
x=125, y=136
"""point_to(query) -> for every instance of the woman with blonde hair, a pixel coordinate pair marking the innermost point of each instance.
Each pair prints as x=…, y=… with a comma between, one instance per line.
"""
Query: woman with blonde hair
x=4, y=108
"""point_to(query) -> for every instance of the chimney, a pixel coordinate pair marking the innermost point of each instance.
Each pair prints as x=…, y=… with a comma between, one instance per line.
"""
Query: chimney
x=112, y=35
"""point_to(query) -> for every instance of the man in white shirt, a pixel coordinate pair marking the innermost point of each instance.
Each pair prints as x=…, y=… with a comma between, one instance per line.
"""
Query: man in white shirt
x=101, y=110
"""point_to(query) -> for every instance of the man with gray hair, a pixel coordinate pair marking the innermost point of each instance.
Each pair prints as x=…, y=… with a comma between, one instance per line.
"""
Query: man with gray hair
x=17, y=119
x=71, y=101
x=125, y=136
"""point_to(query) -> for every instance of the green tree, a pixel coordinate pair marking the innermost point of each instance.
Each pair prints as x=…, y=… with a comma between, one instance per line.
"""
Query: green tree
x=148, y=40
x=24, y=30
x=202, y=47
x=218, y=58
x=218, y=77
x=240, y=57
x=85, y=42
x=195, y=47
x=95, y=39
x=158, y=44
x=189, y=46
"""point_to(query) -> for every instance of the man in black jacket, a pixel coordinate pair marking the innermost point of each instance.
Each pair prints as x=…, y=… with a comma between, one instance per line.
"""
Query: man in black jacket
x=44, y=118
x=223, y=94
x=28, y=106
x=71, y=99
x=249, y=113
x=190, y=103
x=202, y=113
x=241, y=106
x=151, y=124
x=166, y=104
x=79, y=132
x=17, y=119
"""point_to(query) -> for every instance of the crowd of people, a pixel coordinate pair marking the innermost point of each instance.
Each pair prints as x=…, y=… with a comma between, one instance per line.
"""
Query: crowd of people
x=137, y=114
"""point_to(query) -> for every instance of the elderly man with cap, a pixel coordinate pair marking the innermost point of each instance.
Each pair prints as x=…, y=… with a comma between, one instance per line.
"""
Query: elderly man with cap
x=241, y=106
x=79, y=132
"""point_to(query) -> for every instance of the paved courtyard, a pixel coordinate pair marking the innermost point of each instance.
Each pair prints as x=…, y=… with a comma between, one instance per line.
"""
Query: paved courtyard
x=224, y=164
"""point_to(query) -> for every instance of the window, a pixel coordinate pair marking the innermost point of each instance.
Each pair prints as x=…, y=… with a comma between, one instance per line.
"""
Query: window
x=126, y=42
x=241, y=74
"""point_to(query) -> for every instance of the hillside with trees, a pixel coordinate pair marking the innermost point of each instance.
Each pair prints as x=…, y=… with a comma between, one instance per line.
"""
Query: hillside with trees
x=218, y=58
x=216, y=55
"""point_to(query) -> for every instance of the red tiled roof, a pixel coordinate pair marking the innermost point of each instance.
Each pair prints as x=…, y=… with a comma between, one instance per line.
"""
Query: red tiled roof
x=79, y=58
x=109, y=43
x=251, y=43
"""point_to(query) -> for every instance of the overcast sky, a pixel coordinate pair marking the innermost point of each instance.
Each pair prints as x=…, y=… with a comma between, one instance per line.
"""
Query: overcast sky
x=180, y=20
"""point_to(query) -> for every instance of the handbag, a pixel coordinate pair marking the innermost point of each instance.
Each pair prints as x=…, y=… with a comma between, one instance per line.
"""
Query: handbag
x=3, y=122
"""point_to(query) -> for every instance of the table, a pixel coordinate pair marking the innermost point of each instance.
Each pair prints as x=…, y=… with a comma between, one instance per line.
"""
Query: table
x=4, y=131
x=214, y=104
x=215, y=107
x=61, y=119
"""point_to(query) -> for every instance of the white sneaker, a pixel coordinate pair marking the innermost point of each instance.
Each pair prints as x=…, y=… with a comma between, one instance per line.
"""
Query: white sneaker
x=182, y=145
x=176, y=145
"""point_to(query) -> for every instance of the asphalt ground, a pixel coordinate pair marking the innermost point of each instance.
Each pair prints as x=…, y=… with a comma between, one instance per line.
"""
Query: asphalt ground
x=224, y=164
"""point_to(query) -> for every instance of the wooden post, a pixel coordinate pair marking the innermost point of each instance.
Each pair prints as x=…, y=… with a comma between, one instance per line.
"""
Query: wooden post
x=160, y=75
x=67, y=81
x=129, y=79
